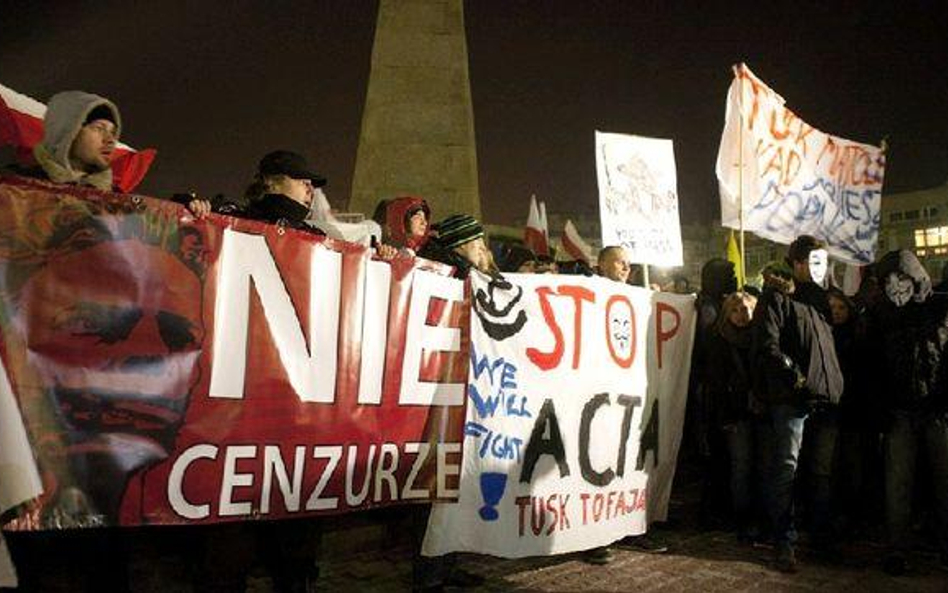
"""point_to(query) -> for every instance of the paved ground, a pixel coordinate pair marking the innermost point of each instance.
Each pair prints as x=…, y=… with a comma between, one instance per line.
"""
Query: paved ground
x=706, y=562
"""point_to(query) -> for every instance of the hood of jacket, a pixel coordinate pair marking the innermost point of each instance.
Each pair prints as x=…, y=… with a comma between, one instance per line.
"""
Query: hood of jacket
x=66, y=113
x=397, y=214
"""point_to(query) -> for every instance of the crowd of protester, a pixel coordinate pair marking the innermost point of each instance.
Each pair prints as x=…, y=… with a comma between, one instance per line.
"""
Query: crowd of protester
x=801, y=396
x=805, y=399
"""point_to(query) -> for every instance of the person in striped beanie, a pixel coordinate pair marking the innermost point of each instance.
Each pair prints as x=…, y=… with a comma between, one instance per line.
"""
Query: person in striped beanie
x=460, y=243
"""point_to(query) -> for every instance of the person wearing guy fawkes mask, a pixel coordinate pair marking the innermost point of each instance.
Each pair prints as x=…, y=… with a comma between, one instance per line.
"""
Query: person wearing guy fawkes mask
x=800, y=381
x=913, y=324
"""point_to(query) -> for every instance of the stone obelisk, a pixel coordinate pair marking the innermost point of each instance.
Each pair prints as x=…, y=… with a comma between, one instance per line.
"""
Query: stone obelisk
x=418, y=124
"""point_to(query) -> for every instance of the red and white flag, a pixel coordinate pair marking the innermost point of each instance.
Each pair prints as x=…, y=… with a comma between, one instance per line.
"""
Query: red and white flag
x=535, y=233
x=574, y=244
x=21, y=126
x=544, y=225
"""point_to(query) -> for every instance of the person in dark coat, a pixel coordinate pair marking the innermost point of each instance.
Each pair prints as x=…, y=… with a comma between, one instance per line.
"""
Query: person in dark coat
x=717, y=281
x=913, y=326
x=730, y=388
x=859, y=452
x=280, y=194
x=800, y=380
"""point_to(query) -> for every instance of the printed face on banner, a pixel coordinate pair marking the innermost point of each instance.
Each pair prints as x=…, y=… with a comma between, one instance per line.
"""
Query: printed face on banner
x=638, y=197
x=114, y=330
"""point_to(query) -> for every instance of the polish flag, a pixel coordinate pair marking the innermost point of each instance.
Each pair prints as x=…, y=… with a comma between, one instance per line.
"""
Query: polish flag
x=574, y=244
x=21, y=126
x=535, y=234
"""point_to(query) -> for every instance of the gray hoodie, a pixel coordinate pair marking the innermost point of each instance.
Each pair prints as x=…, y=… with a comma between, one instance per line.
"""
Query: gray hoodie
x=66, y=113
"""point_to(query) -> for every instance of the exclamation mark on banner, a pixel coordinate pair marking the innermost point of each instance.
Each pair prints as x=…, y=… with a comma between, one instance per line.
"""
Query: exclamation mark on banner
x=492, y=489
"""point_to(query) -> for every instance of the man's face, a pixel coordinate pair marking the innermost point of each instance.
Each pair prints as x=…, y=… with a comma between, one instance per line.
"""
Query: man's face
x=615, y=266
x=417, y=224
x=115, y=332
x=298, y=190
x=91, y=151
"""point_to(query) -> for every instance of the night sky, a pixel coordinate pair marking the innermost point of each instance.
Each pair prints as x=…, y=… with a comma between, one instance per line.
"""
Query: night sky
x=213, y=86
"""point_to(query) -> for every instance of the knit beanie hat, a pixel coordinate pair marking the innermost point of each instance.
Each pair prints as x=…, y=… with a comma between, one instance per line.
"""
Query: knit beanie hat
x=459, y=229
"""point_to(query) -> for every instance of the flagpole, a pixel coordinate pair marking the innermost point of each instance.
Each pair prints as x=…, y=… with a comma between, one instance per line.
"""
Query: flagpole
x=740, y=173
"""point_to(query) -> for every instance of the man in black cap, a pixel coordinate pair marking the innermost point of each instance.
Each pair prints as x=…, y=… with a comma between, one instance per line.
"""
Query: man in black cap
x=283, y=190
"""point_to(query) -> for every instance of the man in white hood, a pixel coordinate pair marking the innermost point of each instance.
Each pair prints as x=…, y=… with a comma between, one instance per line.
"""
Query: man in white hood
x=80, y=131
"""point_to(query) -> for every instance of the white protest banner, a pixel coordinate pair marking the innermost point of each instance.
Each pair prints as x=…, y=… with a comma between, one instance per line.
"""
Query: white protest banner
x=638, y=197
x=19, y=477
x=794, y=179
x=576, y=400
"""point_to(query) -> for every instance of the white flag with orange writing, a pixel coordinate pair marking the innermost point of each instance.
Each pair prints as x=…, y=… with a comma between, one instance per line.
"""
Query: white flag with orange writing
x=792, y=179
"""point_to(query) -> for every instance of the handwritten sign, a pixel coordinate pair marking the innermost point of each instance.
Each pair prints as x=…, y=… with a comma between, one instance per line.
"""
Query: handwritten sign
x=638, y=197
x=576, y=398
x=794, y=179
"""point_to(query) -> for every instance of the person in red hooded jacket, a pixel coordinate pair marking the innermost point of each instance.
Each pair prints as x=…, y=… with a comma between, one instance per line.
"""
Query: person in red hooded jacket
x=406, y=223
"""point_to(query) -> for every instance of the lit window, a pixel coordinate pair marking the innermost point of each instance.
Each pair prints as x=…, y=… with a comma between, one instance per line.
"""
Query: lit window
x=920, y=252
x=932, y=237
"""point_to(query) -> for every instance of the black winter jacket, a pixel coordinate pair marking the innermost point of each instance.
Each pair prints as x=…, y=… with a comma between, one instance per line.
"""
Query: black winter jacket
x=728, y=375
x=914, y=338
x=793, y=347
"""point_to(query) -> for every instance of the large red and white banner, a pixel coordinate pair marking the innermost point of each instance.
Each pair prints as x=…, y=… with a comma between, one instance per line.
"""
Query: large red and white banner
x=166, y=370
x=576, y=400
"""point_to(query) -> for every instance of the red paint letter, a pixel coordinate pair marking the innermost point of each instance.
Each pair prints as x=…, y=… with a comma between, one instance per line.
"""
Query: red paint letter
x=547, y=360
x=661, y=334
